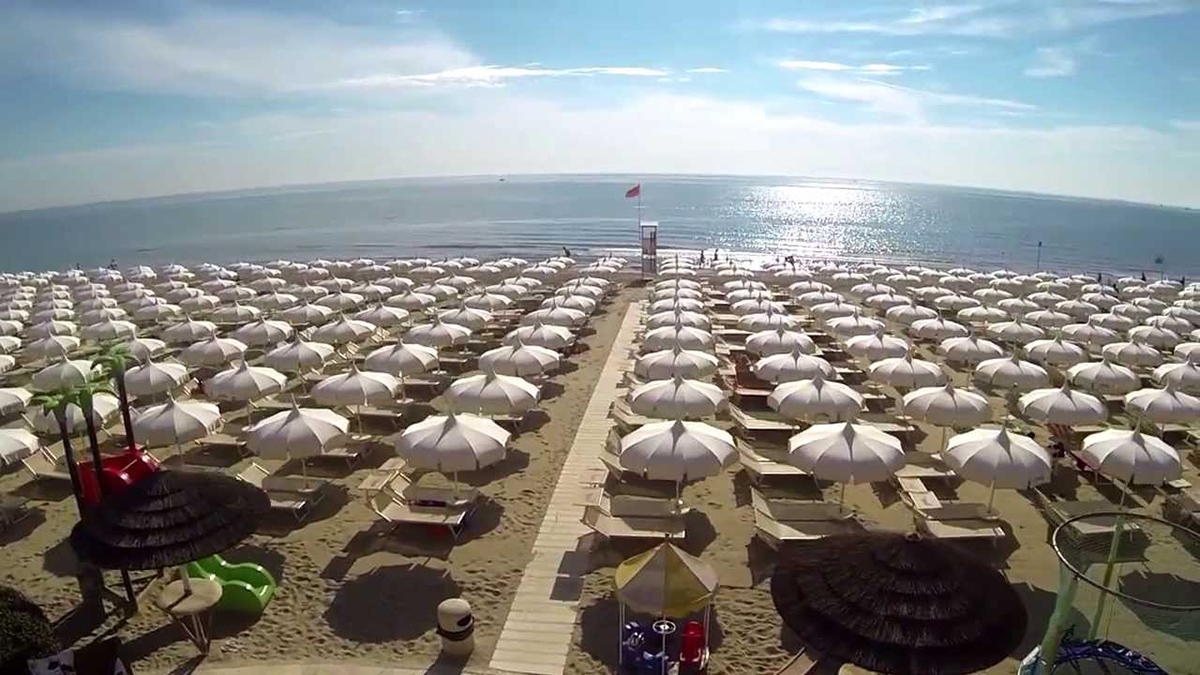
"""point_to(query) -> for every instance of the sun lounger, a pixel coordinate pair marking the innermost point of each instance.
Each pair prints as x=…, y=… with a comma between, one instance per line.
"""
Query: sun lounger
x=1098, y=530
x=641, y=506
x=625, y=417
x=42, y=465
x=425, y=508
x=914, y=492
x=759, y=466
x=600, y=518
x=12, y=510
x=758, y=422
x=785, y=521
x=926, y=466
x=1184, y=509
x=959, y=521
x=220, y=440
x=294, y=494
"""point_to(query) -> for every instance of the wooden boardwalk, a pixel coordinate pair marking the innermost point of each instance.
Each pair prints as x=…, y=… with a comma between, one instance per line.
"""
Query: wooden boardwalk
x=537, y=634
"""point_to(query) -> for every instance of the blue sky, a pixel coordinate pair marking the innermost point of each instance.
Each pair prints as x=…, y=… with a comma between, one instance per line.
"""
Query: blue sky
x=131, y=99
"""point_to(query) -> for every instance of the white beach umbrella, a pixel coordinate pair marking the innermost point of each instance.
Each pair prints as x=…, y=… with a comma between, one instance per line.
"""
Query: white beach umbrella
x=812, y=299
x=1174, y=324
x=104, y=408
x=779, y=341
x=52, y=327
x=474, y=319
x=830, y=310
x=947, y=406
x=1183, y=350
x=754, y=306
x=555, y=316
x=1047, y=318
x=791, y=366
x=519, y=360
x=691, y=319
x=438, y=334
x=50, y=347
x=372, y=292
x=969, y=350
x=982, y=315
x=1183, y=376
x=452, y=443
x=157, y=313
x=236, y=294
x=876, y=346
x=441, y=292
x=306, y=314
x=1103, y=377
x=490, y=302
x=489, y=393
x=678, y=283
x=765, y=321
x=955, y=303
x=885, y=301
x=188, y=331
x=356, y=388
x=236, y=313
x=668, y=363
x=1163, y=406
x=1155, y=336
x=1189, y=312
x=998, y=459
x=1135, y=312
x=800, y=288
x=991, y=296
x=9, y=344
x=733, y=297
x=175, y=423
x=201, y=304
x=16, y=444
x=299, y=356
x=1077, y=309
x=677, y=451
x=1062, y=405
x=343, y=331
x=1090, y=333
x=1055, y=352
x=298, y=433
x=1132, y=457
x=513, y=291
x=678, y=335
x=906, y=372
x=245, y=383
x=1010, y=372
x=14, y=399
x=108, y=330
x=1133, y=354
x=854, y=325
x=936, y=328
x=846, y=453
x=275, y=301
x=151, y=378
x=542, y=335
x=816, y=399
x=1115, y=322
x=677, y=398
x=214, y=351
x=402, y=359
x=341, y=301
x=1104, y=301
x=263, y=332
x=1016, y=331
x=383, y=316
x=64, y=374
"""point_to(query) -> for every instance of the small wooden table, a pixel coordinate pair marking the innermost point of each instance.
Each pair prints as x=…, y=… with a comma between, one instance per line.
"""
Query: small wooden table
x=191, y=610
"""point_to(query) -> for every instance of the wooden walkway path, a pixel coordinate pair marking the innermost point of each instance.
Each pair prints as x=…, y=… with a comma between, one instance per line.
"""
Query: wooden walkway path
x=537, y=634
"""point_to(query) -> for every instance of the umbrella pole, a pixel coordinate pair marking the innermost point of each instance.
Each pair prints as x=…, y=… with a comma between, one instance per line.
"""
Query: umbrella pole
x=991, y=498
x=1110, y=564
x=842, y=498
x=187, y=581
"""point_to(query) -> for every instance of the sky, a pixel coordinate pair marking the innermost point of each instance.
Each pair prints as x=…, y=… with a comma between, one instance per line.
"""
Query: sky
x=138, y=98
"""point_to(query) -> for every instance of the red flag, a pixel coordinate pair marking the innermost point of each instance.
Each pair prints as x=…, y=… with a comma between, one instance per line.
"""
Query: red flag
x=635, y=191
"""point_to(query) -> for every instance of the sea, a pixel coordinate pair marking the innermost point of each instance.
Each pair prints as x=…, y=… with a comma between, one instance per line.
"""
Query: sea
x=589, y=216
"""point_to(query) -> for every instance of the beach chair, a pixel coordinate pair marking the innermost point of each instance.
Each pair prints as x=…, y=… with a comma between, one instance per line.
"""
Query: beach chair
x=778, y=522
x=12, y=510
x=959, y=521
x=221, y=441
x=43, y=465
x=1094, y=532
x=926, y=467
x=625, y=417
x=395, y=509
x=382, y=476
x=758, y=465
x=599, y=518
x=915, y=493
x=293, y=494
x=1183, y=509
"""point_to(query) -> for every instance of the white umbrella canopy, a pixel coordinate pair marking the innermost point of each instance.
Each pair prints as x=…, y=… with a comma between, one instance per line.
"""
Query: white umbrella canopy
x=490, y=302
x=1163, y=338
x=969, y=350
x=17, y=444
x=955, y=303
x=356, y=388
x=64, y=374
x=519, y=360
x=876, y=346
x=830, y=310
x=188, y=331
x=438, y=334
x=1010, y=372
x=1016, y=331
x=100, y=314
x=906, y=372
x=854, y=325
x=1163, y=406
x=982, y=315
x=1189, y=312
x=14, y=399
x=383, y=316
x=1047, y=299
x=542, y=335
x=200, y=304
x=50, y=347
x=885, y=301
x=754, y=306
x=594, y=293
x=298, y=433
x=1175, y=324
x=1114, y=322
x=691, y=319
x=1103, y=377
x=910, y=314
x=152, y=378
x=815, y=298
x=343, y=331
x=509, y=290
x=668, y=363
x=341, y=301
x=306, y=314
x=678, y=283
x=1018, y=307
x=1062, y=405
x=1055, y=352
x=765, y=321
x=991, y=296
x=1184, y=350
x=1079, y=310
x=732, y=297
x=104, y=408
x=108, y=331
x=402, y=359
x=816, y=399
x=668, y=337
x=937, y=328
x=175, y=422
x=1091, y=333
x=236, y=294
x=555, y=316
x=263, y=332
x=1105, y=301
x=677, y=451
x=1183, y=376
x=275, y=301
x=1132, y=457
x=1135, y=312
x=157, y=313
x=452, y=443
x=9, y=344
x=474, y=319
x=299, y=356
x=492, y=394
x=1133, y=354
x=998, y=459
x=779, y=341
x=235, y=313
x=846, y=452
x=1047, y=318
x=677, y=398
x=214, y=351
x=245, y=383
x=947, y=406
x=791, y=366
x=51, y=327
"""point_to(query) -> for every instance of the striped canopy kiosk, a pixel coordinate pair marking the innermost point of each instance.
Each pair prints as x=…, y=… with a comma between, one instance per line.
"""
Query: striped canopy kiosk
x=665, y=582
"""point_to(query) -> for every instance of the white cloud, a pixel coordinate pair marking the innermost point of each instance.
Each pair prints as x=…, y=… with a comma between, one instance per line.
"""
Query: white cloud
x=834, y=67
x=707, y=70
x=493, y=76
x=905, y=102
x=1052, y=62
x=993, y=18
x=1186, y=125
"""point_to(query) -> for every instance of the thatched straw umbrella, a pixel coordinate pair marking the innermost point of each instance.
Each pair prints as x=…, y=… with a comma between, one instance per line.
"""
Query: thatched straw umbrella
x=899, y=604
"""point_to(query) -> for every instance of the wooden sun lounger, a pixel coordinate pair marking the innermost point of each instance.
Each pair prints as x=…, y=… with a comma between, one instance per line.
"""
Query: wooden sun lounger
x=759, y=422
x=294, y=494
x=923, y=466
x=959, y=521
x=397, y=512
x=614, y=527
x=783, y=521
x=759, y=466
x=626, y=418
x=12, y=510
x=1099, y=530
x=44, y=466
x=1183, y=508
x=914, y=492
x=222, y=440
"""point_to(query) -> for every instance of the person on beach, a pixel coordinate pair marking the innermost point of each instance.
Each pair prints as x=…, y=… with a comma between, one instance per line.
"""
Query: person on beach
x=566, y=251
x=112, y=264
x=702, y=257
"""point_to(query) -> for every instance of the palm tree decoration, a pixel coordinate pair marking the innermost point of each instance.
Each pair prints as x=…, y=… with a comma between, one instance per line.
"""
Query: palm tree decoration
x=84, y=396
x=113, y=362
x=55, y=403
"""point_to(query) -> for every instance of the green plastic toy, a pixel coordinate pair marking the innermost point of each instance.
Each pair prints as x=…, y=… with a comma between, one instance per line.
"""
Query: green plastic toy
x=245, y=587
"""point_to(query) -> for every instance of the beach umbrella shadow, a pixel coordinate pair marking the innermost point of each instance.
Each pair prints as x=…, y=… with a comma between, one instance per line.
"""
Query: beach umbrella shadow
x=23, y=528
x=1039, y=604
x=390, y=603
x=60, y=560
x=1165, y=589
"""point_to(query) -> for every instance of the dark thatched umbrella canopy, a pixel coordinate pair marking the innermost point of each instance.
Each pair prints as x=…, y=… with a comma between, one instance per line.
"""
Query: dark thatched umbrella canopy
x=898, y=604
x=169, y=518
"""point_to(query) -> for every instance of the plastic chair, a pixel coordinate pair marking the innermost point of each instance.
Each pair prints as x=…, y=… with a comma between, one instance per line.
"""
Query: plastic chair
x=693, y=653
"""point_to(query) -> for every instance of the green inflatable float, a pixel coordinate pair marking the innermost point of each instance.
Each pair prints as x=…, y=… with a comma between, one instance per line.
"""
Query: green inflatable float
x=245, y=587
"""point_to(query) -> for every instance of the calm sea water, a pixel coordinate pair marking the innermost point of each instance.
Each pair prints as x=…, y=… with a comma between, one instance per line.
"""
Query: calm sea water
x=537, y=216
